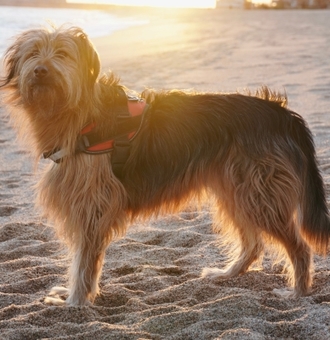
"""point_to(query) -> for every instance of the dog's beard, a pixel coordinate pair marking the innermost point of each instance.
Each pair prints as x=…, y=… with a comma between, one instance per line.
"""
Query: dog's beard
x=46, y=99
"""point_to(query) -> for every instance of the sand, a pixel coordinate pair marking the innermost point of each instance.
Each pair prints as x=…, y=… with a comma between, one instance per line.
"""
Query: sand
x=151, y=285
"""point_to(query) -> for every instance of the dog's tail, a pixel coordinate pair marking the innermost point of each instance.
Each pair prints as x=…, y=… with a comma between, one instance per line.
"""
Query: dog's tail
x=314, y=211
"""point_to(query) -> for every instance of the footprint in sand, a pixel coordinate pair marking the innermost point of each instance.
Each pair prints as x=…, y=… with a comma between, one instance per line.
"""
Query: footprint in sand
x=12, y=183
x=7, y=210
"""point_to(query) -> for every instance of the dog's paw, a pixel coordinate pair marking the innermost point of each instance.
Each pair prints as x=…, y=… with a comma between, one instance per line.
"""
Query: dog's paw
x=286, y=293
x=54, y=301
x=215, y=273
x=57, y=296
x=61, y=296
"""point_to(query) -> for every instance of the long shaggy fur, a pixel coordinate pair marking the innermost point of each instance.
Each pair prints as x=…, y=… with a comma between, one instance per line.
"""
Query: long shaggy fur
x=252, y=154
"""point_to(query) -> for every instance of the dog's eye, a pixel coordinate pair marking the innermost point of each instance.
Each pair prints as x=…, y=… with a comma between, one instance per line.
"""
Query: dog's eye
x=62, y=54
x=33, y=54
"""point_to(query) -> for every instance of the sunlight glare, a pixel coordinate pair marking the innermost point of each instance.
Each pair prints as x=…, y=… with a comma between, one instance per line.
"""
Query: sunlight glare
x=153, y=3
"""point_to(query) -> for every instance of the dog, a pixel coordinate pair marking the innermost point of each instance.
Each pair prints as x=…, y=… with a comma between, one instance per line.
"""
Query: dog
x=113, y=166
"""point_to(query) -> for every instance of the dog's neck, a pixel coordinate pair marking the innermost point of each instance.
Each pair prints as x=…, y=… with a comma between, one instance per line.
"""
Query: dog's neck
x=57, y=130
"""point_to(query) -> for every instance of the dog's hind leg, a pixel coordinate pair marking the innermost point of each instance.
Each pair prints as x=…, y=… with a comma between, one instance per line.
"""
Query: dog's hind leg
x=300, y=257
x=264, y=196
x=251, y=247
x=271, y=201
x=238, y=231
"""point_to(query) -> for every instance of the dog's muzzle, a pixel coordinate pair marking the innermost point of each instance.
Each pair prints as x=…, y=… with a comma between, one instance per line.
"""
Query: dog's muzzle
x=40, y=71
x=41, y=75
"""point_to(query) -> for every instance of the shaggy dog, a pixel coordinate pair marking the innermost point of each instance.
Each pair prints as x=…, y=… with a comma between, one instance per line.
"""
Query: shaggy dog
x=119, y=158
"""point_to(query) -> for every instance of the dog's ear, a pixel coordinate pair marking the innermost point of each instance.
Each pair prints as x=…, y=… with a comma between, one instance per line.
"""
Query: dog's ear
x=15, y=55
x=88, y=52
x=10, y=64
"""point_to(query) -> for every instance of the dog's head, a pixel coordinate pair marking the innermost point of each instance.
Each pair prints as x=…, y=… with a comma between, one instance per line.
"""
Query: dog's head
x=51, y=70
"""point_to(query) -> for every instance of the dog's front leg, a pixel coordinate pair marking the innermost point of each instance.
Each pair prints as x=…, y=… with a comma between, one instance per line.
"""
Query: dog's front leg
x=85, y=272
x=84, y=275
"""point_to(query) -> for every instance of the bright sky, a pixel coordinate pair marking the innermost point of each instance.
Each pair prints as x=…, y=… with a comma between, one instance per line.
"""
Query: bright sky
x=156, y=3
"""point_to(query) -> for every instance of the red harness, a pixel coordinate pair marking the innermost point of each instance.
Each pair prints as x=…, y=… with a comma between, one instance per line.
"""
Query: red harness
x=136, y=107
x=129, y=120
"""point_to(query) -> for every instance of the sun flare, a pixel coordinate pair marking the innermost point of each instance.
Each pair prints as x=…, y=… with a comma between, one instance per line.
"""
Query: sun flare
x=153, y=3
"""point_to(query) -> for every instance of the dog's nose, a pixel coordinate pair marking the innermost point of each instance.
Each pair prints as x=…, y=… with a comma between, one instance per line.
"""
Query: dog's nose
x=40, y=71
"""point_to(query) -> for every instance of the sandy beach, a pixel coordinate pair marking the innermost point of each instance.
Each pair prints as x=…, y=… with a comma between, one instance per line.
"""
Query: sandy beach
x=151, y=285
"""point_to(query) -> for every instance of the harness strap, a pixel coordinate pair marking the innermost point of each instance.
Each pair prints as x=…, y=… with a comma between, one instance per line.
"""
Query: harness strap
x=121, y=145
x=55, y=155
x=90, y=141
